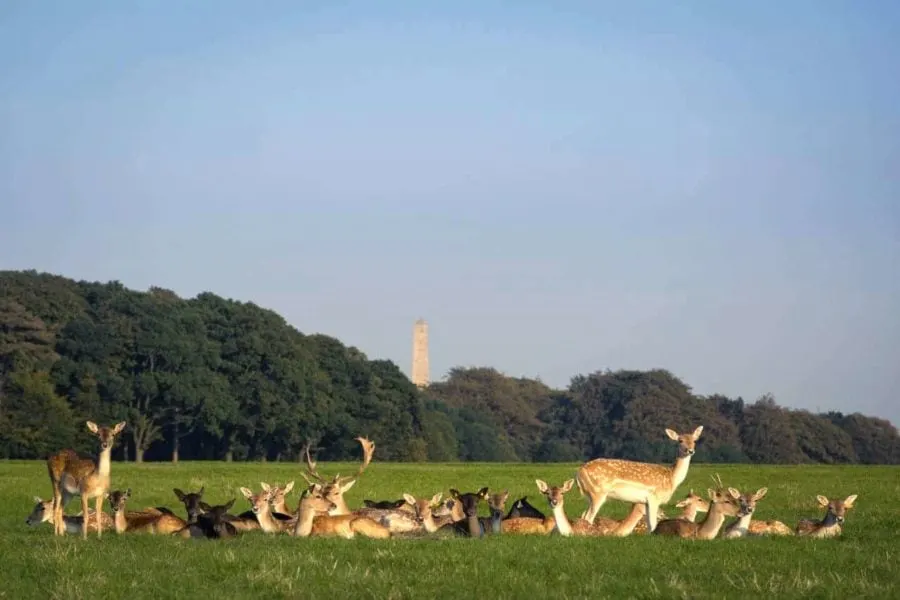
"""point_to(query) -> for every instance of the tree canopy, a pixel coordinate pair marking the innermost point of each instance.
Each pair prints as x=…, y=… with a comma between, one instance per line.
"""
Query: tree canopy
x=213, y=378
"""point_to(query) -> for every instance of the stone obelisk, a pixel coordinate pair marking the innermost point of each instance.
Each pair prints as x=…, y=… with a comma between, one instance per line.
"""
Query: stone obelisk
x=420, y=354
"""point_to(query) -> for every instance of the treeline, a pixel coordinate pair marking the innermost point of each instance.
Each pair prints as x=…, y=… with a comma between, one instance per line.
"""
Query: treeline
x=212, y=378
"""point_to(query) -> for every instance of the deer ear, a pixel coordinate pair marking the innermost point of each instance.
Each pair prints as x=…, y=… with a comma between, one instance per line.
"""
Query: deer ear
x=542, y=485
x=288, y=487
x=435, y=500
x=454, y=493
x=568, y=485
x=697, y=433
x=247, y=493
x=760, y=493
x=734, y=493
x=848, y=503
x=228, y=506
x=712, y=493
x=118, y=428
x=92, y=426
x=822, y=500
x=38, y=500
x=178, y=494
x=203, y=505
x=408, y=498
x=483, y=492
x=672, y=434
x=200, y=493
x=348, y=485
x=128, y=492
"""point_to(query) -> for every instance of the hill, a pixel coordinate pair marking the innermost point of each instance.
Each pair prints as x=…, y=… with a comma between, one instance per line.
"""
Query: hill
x=213, y=378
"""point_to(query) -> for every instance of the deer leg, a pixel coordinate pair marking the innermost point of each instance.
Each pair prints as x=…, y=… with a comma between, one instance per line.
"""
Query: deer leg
x=597, y=501
x=652, y=512
x=85, y=519
x=99, y=506
x=55, y=509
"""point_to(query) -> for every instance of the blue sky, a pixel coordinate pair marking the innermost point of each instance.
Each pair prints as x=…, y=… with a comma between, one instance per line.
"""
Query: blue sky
x=707, y=187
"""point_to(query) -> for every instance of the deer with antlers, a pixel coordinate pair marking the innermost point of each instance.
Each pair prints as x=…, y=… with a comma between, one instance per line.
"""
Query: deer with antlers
x=636, y=482
x=334, y=490
x=314, y=518
x=72, y=475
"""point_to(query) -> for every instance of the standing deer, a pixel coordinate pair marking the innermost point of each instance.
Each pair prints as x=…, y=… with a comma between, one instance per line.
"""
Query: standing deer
x=833, y=523
x=335, y=489
x=72, y=475
x=636, y=482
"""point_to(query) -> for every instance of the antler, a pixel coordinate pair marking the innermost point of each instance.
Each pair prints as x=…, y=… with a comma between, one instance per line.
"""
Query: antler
x=368, y=451
x=311, y=468
x=718, y=481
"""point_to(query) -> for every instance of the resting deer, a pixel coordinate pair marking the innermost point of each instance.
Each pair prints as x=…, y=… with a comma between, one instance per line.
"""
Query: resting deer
x=191, y=502
x=581, y=527
x=746, y=526
x=522, y=508
x=211, y=523
x=400, y=504
x=277, y=495
x=148, y=521
x=43, y=513
x=448, y=524
x=636, y=482
x=496, y=506
x=335, y=489
x=314, y=518
x=833, y=523
x=691, y=505
x=723, y=503
x=72, y=475
x=260, y=505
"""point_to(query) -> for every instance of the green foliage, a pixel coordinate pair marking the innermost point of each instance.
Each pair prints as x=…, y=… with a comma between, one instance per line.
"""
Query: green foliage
x=212, y=378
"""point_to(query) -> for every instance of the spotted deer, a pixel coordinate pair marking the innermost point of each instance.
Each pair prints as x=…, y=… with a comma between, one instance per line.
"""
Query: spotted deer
x=314, y=518
x=582, y=527
x=723, y=503
x=832, y=525
x=636, y=482
x=43, y=513
x=71, y=475
x=335, y=489
x=147, y=521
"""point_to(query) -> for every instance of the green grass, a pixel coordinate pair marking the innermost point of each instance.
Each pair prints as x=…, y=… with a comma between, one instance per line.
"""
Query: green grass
x=862, y=563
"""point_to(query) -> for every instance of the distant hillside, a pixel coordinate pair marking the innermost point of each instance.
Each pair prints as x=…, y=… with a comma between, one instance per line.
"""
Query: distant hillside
x=212, y=378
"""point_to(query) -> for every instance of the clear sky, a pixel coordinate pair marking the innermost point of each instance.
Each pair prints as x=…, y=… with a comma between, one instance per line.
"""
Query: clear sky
x=708, y=187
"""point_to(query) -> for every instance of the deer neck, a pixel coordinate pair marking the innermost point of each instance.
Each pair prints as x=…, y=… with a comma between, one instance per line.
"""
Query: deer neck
x=304, y=524
x=689, y=513
x=741, y=526
x=562, y=521
x=680, y=471
x=830, y=520
x=266, y=522
x=340, y=507
x=496, y=518
x=282, y=508
x=104, y=465
x=712, y=523
x=119, y=521
x=474, y=526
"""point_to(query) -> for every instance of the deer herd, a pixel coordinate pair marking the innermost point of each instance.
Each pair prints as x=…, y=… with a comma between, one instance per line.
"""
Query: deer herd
x=323, y=511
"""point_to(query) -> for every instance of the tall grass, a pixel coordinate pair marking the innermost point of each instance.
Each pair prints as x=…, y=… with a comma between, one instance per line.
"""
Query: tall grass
x=862, y=563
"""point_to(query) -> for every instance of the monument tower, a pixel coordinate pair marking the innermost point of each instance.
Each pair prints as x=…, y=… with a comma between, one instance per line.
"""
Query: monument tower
x=420, y=354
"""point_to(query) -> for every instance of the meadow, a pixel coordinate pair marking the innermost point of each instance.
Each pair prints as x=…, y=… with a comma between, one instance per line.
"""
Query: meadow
x=862, y=563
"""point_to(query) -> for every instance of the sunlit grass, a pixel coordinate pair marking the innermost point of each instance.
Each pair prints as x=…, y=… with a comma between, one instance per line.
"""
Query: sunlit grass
x=862, y=563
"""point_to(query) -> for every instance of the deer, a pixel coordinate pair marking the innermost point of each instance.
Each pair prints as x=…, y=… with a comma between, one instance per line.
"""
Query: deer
x=832, y=525
x=522, y=508
x=335, y=489
x=745, y=525
x=691, y=505
x=195, y=507
x=315, y=518
x=496, y=506
x=71, y=475
x=582, y=527
x=468, y=525
x=400, y=504
x=636, y=482
x=211, y=523
x=280, y=510
x=723, y=503
x=149, y=521
x=43, y=513
x=260, y=505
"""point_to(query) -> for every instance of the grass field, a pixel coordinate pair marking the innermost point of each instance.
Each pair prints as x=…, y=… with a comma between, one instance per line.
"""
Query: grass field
x=862, y=563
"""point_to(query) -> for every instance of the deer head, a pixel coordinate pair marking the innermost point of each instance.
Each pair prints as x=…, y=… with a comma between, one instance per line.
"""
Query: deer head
x=106, y=435
x=554, y=494
x=117, y=499
x=470, y=500
x=277, y=494
x=693, y=502
x=42, y=512
x=747, y=502
x=423, y=507
x=258, y=502
x=686, y=442
x=192, y=502
x=313, y=499
x=837, y=508
x=334, y=489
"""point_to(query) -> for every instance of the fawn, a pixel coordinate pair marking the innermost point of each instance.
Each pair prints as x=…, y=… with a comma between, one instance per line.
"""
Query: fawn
x=43, y=513
x=636, y=482
x=150, y=521
x=832, y=525
x=72, y=475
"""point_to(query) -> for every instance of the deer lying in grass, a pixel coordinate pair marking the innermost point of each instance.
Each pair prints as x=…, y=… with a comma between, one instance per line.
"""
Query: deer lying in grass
x=636, y=482
x=400, y=504
x=194, y=507
x=314, y=518
x=449, y=524
x=582, y=527
x=43, y=513
x=71, y=475
x=723, y=503
x=496, y=506
x=832, y=525
x=746, y=526
x=261, y=509
x=522, y=508
x=211, y=523
x=690, y=506
x=148, y=521
x=335, y=489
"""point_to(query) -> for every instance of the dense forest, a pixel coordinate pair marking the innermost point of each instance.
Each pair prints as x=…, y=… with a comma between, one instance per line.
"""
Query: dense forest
x=212, y=378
